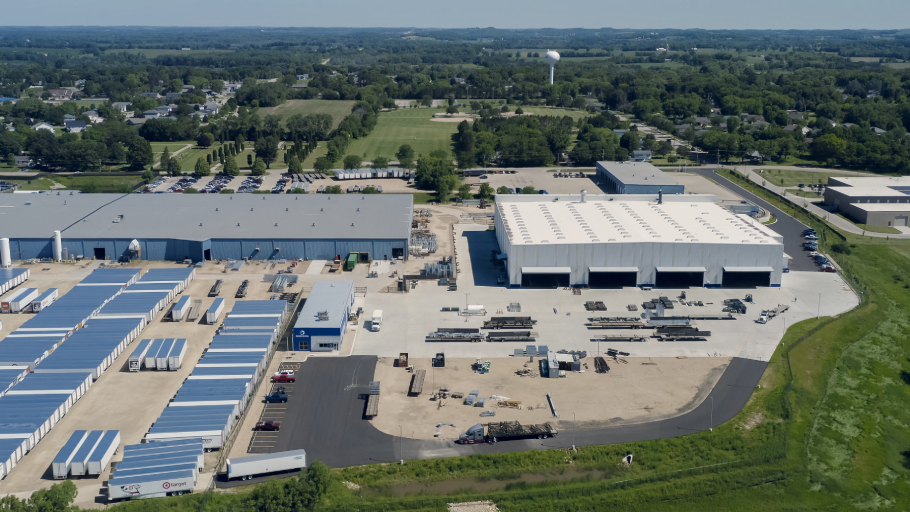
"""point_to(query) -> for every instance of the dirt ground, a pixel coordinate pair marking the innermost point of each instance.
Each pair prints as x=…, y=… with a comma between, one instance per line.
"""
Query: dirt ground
x=642, y=390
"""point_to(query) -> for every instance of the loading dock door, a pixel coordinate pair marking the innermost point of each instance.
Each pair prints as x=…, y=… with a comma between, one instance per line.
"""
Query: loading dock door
x=612, y=277
x=680, y=277
x=545, y=277
x=747, y=277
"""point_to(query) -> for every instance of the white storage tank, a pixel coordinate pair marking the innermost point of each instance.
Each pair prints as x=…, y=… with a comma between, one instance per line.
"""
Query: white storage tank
x=5, y=259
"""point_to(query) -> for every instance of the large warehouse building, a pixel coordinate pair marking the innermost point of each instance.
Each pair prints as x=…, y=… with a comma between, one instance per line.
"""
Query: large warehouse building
x=876, y=201
x=206, y=227
x=636, y=178
x=608, y=241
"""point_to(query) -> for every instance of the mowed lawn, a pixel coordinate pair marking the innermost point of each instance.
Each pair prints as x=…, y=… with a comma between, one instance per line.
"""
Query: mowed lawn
x=405, y=126
x=794, y=178
x=335, y=108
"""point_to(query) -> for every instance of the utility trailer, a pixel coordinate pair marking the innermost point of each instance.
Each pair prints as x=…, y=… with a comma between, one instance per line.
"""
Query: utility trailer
x=214, y=311
x=509, y=322
x=505, y=431
x=417, y=379
x=472, y=337
x=216, y=288
x=680, y=333
x=245, y=468
x=501, y=336
x=101, y=455
x=617, y=322
x=620, y=337
x=151, y=486
x=137, y=358
x=180, y=309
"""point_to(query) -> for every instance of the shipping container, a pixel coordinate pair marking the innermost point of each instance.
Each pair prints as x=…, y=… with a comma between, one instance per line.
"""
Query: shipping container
x=181, y=308
x=175, y=358
x=61, y=465
x=101, y=455
x=214, y=312
x=247, y=467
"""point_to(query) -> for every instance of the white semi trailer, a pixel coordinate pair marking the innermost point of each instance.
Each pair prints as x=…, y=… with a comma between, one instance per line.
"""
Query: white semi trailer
x=245, y=468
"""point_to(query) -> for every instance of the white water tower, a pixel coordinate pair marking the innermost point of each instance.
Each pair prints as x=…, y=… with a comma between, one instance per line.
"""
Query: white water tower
x=552, y=58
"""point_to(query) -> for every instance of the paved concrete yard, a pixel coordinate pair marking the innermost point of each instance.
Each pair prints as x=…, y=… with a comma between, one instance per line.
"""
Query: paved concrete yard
x=642, y=390
x=561, y=316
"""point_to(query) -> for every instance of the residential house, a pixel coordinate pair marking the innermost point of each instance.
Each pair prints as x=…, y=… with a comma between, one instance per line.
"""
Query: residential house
x=24, y=161
x=80, y=83
x=151, y=114
x=458, y=80
x=794, y=127
x=188, y=88
x=153, y=95
x=879, y=131
x=702, y=121
x=212, y=107
x=120, y=106
x=135, y=121
x=164, y=110
x=208, y=92
x=68, y=117
x=171, y=96
x=93, y=116
x=761, y=124
x=641, y=156
x=680, y=128
x=74, y=126
x=620, y=133
x=796, y=116
x=305, y=76
x=848, y=125
x=61, y=94
x=44, y=126
x=231, y=87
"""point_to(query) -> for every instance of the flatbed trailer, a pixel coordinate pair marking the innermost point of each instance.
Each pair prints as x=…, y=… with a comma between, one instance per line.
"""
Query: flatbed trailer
x=500, y=336
x=216, y=288
x=509, y=322
x=620, y=337
x=506, y=431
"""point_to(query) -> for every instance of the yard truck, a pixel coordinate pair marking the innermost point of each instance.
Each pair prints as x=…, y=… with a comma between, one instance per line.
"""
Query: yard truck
x=505, y=431
x=376, y=322
x=246, y=468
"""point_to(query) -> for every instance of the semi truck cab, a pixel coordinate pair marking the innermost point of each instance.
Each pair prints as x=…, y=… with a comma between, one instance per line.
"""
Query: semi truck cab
x=376, y=322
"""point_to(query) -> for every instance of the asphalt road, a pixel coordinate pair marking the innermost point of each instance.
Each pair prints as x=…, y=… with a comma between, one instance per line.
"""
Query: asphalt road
x=790, y=228
x=325, y=417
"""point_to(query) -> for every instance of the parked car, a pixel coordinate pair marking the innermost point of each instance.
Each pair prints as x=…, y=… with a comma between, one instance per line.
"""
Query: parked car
x=828, y=269
x=268, y=426
x=811, y=237
x=284, y=376
x=276, y=398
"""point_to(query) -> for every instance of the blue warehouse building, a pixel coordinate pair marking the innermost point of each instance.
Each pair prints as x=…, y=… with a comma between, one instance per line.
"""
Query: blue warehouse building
x=323, y=320
x=206, y=226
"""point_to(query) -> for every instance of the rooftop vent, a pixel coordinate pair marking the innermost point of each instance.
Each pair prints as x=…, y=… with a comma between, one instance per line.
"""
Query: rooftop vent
x=323, y=316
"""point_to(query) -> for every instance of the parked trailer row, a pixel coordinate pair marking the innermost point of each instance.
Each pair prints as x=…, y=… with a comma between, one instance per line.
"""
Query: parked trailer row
x=91, y=456
x=18, y=300
x=12, y=277
x=162, y=354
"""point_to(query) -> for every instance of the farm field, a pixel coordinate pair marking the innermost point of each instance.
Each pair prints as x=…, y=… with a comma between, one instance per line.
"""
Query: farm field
x=407, y=126
x=336, y=108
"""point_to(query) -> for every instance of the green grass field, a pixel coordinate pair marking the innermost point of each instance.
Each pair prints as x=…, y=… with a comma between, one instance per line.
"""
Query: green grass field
x=406, y=126
x=336, y=108
x=794, y=178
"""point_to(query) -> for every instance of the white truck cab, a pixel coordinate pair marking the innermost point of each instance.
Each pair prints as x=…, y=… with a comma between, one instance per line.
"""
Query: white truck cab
x=376, y=323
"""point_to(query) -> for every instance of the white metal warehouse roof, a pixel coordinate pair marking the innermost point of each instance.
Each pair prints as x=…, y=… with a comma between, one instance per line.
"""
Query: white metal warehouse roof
x=632, y=219
x=873, y=186
x=638, y=173
x=207, y=216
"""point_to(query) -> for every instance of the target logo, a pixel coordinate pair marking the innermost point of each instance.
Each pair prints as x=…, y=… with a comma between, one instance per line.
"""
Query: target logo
x=167, y=485
x=172, y=485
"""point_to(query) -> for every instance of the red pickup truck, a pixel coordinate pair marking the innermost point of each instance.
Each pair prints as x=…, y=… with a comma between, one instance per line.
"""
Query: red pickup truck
x=268, y=426
x=284, y=376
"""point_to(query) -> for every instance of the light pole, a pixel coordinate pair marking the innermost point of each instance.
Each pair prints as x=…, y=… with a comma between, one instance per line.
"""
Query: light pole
x=573, y=431
x=818, y=311
x=400, y=442
x=711, y=428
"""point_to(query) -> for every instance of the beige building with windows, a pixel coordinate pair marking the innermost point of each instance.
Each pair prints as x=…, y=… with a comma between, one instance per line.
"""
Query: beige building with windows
x=875, y=201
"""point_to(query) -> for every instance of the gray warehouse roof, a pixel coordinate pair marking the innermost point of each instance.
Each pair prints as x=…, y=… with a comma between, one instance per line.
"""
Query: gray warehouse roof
x=202, y=217
x=637, y=173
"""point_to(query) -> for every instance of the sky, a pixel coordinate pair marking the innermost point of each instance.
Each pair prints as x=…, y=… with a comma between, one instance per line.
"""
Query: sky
x=656, y=14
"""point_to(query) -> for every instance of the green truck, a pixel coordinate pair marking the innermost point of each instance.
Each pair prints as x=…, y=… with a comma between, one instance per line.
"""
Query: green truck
x=351, y=262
